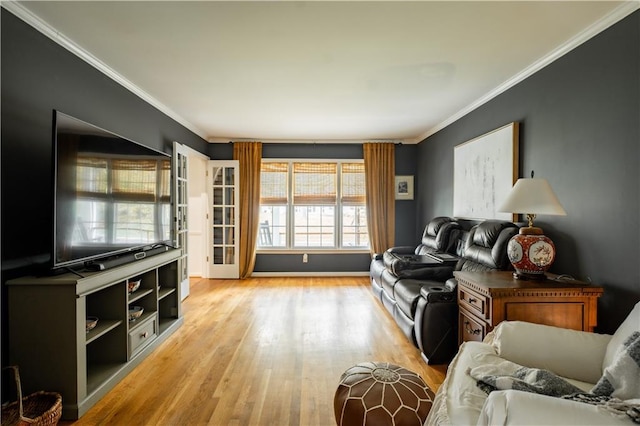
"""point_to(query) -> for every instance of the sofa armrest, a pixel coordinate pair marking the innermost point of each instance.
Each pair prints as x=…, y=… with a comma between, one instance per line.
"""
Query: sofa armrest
x=427, y=289
x=568, y=353
x=402, y=250
x=432, y=273
x=513, y=407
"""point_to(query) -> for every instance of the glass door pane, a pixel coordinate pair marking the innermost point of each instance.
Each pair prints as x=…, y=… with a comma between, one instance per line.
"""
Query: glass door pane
x=180, y=214
x=224, y=250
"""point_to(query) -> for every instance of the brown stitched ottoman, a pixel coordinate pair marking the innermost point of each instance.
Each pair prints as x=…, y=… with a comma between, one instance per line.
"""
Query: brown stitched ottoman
x=379, y=393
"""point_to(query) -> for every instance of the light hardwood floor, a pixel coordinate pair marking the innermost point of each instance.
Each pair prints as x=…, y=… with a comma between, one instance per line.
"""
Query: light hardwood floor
x=262, y=351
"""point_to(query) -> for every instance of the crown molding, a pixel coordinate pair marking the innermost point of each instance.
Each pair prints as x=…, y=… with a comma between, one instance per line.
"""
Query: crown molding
x=597, y=27
x=27, y=16
x=36, y=22
x=305, y=141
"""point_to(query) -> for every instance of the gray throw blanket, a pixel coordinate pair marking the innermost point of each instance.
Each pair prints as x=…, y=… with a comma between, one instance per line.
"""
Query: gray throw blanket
x=620, y=381
x=526, y=379
x=622, y=378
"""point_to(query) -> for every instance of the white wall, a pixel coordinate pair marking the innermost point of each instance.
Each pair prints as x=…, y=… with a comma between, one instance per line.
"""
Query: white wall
x=197, y=211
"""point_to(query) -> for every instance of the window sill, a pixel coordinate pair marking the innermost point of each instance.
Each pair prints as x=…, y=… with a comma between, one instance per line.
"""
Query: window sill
x=313, y=251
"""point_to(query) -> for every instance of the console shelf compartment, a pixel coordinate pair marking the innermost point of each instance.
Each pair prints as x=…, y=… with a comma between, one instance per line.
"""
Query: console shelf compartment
x=53, y=348
x=164, y=292
x=139, y=294
x=102, y=328
x=97, y=374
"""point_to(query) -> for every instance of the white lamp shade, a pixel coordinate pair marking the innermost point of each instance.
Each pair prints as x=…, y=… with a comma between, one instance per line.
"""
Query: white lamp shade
x=532, y=196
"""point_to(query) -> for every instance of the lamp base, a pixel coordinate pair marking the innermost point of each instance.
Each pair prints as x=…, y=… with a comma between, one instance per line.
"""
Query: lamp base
x=531, y=253
x=529, y=277
x=530, y=230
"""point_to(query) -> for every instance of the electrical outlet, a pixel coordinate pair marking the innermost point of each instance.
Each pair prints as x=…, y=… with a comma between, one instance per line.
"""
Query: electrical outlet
x=305, y=258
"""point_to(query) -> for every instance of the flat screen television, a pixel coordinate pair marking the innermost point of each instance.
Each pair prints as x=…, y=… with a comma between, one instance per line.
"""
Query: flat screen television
x=111, y=195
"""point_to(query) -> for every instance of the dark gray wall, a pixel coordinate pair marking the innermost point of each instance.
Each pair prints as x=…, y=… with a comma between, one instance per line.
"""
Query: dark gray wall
x=408, y=228
x=39, y=76
x=406, y=233
x=580, y=129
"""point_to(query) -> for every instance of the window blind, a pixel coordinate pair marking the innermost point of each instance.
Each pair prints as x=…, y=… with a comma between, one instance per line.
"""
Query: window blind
x=314, y=183
x=273, y=183
x=353, y=185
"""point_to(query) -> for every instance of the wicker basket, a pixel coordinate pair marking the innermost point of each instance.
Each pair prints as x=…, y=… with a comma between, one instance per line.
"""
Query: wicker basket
x=39, y=408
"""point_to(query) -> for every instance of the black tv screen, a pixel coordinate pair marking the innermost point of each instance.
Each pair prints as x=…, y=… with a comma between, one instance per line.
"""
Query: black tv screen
x=112, y=195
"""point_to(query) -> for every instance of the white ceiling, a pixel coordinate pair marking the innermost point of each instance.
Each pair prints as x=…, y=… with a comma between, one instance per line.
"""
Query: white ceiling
x=319, y=71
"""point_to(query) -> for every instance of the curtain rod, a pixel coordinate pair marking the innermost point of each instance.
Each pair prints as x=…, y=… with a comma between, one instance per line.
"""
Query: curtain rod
x=309, y=142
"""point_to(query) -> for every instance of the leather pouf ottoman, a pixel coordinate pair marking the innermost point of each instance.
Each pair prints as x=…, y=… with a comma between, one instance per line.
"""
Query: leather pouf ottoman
x=379, y=393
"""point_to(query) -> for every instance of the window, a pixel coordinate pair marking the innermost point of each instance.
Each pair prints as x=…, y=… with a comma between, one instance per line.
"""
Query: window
x=312, y=204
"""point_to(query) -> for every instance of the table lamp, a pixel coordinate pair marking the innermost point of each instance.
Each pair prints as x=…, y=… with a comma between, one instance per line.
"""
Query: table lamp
x=531, y=252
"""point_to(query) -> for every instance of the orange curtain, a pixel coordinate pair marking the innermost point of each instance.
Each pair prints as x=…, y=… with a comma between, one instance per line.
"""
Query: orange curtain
x=249, y=156
x=379, y=170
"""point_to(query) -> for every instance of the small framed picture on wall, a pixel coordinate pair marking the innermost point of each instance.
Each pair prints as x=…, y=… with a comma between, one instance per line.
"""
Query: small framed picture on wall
x=404, y=187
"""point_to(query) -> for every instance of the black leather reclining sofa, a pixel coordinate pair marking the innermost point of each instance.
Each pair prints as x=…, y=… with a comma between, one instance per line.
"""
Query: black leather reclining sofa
x=419, y=290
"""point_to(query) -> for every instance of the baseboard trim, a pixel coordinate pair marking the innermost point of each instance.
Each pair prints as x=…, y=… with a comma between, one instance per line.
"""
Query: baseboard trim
x=311, y=274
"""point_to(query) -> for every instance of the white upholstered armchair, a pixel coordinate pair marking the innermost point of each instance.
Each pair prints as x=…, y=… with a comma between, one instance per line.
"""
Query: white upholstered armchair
x=582, y=359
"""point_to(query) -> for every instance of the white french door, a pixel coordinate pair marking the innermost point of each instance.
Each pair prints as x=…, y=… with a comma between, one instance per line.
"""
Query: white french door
x=223, y=179
x=180, y=213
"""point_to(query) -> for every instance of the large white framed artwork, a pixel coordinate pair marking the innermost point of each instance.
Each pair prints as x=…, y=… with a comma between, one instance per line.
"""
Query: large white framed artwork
x=485, y=169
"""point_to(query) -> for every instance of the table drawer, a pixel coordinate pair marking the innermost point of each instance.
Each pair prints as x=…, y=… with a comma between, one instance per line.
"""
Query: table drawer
x=472, y=301
x=470, y=329
x=143, y=335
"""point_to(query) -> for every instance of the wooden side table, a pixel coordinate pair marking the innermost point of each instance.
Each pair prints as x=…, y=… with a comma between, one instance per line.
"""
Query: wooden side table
x=487, y=298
